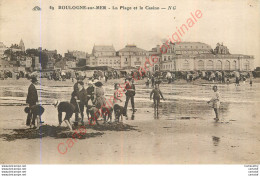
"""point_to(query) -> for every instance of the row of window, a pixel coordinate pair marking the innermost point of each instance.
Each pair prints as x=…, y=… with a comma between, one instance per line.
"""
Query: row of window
x=210, y=65
x=133, y=54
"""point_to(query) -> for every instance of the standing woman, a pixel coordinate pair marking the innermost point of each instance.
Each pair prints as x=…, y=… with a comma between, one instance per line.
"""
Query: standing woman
x=99, y=95
x=99, y=99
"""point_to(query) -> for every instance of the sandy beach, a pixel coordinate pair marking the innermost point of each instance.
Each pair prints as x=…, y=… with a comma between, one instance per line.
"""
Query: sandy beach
x=184, y=133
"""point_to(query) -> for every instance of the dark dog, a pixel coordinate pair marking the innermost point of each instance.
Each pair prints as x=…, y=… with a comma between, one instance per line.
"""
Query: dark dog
x=119, y=111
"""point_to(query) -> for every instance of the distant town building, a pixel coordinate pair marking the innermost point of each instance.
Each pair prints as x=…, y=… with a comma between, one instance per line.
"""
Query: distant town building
x=2, y=49
x=103, y=55
x=50, y=53
x=70, y=64
x=60, y=64
x=15, y=48
x=64, y=64
x=191, y=56
x=5, y=65
x=132, y=56
x=103, y=50
x=21, y=45
x=155, y=55
x=50, y=64
x=28, y=62
x=77, y=54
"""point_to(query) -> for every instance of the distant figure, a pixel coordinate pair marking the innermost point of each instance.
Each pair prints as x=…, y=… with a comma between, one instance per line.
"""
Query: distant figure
x=244, y=79
x=251, y=82
x=73, y=76
x=66, y=107
x=237, y=81
x=36, y=111
x=106, y=78
x=156, y=93
x=228, y=81
x=147, y=82
x=215, y=100
x=32, y=99
x=157, y=81
x=152, y=79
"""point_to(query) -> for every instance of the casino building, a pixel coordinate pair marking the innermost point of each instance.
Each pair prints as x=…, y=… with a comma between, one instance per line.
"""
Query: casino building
x=194, y=56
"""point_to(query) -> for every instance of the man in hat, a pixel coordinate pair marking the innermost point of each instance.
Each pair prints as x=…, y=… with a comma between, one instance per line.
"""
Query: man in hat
x=66, y=107
x=81, y=100
x=32, y=99
x=130, y=93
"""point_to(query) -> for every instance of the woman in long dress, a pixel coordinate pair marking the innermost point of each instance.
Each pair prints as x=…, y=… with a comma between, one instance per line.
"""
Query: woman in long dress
x=99, y=95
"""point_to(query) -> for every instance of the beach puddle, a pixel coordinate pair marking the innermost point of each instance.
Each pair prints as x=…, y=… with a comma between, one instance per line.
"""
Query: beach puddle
x=114, y=126
x=188, y=118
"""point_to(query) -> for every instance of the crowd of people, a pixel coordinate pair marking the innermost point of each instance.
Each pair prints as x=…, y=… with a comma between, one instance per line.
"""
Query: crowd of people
x=90, y=101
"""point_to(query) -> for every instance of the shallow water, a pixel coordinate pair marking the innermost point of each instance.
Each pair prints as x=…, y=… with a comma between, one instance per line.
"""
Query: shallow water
x=183, y=100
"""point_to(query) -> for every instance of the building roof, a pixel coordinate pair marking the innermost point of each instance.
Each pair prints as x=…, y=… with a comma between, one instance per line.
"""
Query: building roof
x=103, y=48
x=132, y=48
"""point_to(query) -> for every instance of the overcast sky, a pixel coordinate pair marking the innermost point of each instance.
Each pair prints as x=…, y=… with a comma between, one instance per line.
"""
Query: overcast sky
x=234, y=22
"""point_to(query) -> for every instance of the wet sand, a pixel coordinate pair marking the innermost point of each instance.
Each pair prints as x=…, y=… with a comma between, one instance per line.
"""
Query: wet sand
x=184, y=133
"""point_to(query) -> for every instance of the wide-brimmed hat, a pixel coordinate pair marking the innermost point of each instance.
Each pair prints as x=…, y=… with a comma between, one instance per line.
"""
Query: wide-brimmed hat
x=98, y=84
x=34, y=80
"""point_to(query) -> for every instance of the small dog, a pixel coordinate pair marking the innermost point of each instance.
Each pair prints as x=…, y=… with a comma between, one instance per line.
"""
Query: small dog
x=119, y=111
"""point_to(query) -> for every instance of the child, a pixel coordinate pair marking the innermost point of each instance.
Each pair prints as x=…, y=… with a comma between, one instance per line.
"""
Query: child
x=156, y=93
x=117, y=102
x=147, y=82
x=66, y=107
x=215, y=100
x=36, y=111
x=251, y=81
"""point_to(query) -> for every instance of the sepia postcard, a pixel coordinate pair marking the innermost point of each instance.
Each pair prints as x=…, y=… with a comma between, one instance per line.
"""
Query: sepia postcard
x=129, y=82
